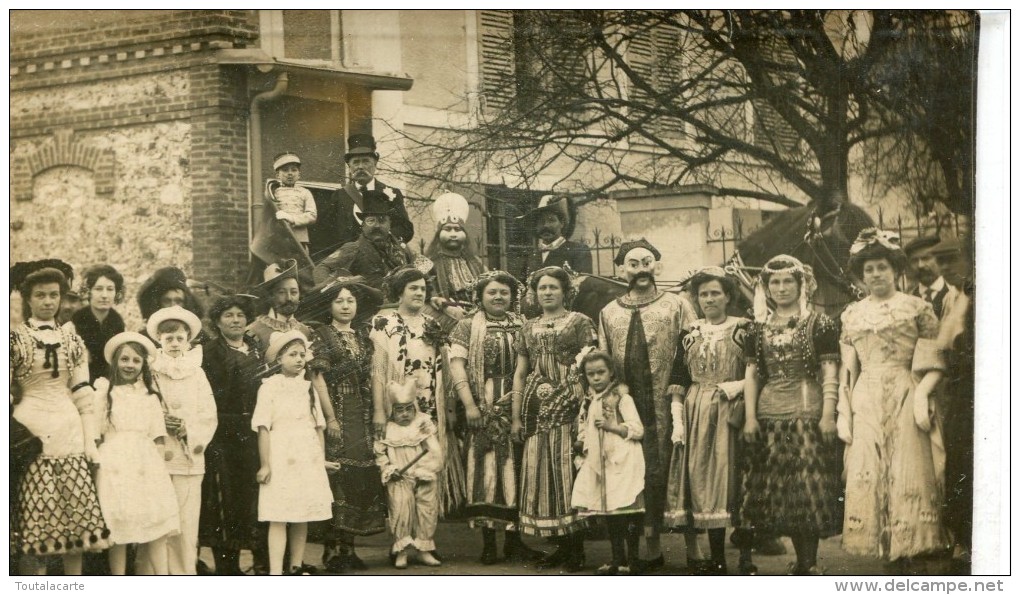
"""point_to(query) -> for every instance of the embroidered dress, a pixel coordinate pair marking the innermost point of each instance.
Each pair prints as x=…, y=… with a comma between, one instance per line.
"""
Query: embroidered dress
x=413, y=498
x=791, y=483
x=894, y=491
x=489, y=348
x=298, y=489
x=412, y=348
x=57, y=511
x=551, y=401
x=345, y=361
x=612, y=477
x=643, y=338
x=134, y=488
x=229, y=490
x=702, y=475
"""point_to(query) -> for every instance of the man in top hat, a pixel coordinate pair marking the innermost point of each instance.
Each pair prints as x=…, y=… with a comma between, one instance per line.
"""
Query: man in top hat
x=377, y=251
x=641, y=330
x=362, y=160
x=553, y=222
x=456, y=265
x=925, y=269
x=280, y=289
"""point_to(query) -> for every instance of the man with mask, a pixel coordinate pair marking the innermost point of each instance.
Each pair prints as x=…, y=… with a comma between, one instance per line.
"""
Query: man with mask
x=456, y=265
x=377, y=251
x=280, y=289
x=552, y=220
x=931, y=285
x=640, y=330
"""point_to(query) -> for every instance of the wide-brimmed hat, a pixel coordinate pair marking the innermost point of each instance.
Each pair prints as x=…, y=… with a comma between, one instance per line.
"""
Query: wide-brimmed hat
x=22, y=270
x=316, y=303
x=279, y=340
x=128, y=337
x=285, y=159
x=920, y=243
x=160, y=282
x=551, y=203
x=360, y=144
x=174, y=313
x=273, y=273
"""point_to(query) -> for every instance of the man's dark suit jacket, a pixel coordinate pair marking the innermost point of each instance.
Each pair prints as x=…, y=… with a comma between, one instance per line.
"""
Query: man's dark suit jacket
x=577, y=255
x=336, y=225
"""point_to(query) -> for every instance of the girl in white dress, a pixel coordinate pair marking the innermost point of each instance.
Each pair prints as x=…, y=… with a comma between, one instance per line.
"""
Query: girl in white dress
x=611, y=480
x=133, y=484
x=294, y=487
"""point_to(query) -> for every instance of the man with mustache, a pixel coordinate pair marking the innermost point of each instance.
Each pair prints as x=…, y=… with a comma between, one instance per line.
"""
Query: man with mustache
x=552, y=221
x=925, y=269
x=641, y=330
x=456, y=265
x=280, y=289
x=362, y=160
x=377, y=251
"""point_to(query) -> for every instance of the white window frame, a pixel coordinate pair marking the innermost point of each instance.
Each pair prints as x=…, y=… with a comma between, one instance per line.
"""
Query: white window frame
x=272, y=40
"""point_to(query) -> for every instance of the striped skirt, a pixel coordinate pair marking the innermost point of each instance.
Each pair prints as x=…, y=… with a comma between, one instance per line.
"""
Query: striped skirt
x=547, y=481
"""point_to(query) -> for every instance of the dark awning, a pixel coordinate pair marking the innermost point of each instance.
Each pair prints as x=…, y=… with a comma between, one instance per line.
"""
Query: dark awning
x=265, y=63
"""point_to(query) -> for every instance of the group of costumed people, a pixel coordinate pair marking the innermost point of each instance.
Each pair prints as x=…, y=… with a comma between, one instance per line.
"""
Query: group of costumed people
x=403, y=389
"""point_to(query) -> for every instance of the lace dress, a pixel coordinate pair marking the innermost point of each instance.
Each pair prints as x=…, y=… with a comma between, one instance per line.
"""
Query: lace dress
x=894, y=492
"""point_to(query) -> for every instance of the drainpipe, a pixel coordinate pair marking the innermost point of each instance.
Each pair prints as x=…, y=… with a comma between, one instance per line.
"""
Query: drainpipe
x=255, y=148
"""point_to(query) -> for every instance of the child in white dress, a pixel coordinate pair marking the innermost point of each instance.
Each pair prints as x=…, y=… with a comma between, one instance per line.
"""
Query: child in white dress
x=410, y=459
x=133, y=485
x=190, y=419
x=294, y=486
x=611, y=479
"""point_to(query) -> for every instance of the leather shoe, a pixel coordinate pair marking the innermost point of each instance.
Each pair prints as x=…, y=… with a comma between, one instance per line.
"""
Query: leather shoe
x=652, y=565
x=553, y=560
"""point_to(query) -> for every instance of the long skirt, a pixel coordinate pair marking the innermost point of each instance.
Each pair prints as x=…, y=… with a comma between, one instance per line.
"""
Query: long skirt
x=791, y=481
x=702, y=474
x=57, y=508
x=547, y=482
x=230, y=491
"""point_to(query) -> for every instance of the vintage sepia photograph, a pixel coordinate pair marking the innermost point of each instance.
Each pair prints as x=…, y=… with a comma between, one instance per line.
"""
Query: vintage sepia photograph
x=514, y=292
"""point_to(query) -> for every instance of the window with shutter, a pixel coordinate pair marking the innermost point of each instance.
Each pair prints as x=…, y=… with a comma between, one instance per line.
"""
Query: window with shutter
x=655, y=52
x=771, y=131
x=497, y=63
x=309, y=36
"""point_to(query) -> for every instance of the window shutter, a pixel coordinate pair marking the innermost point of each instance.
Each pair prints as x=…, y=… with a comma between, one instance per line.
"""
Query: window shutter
x=497, y=64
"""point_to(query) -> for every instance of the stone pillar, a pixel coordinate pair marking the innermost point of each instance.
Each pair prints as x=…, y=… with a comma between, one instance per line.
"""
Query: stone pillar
x=674, y=220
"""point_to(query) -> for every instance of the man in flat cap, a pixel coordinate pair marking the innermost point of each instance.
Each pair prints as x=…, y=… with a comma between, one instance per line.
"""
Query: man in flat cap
x=362, y=160
x=641, y=330
x=377, y=251
x=925, y=269
x=553, y=222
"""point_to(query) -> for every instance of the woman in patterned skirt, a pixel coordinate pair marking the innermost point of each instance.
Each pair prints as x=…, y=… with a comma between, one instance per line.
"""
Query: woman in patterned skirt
x=56, y=508
x=342, y=377
x=791, y=482
x=895, y=459
x=547, y=398
x=483, y=354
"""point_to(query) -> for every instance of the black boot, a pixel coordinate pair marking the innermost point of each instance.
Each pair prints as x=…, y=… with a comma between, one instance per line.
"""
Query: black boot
x=489, y=555
x=575, y=557
x=558, y=557
x=514, y=549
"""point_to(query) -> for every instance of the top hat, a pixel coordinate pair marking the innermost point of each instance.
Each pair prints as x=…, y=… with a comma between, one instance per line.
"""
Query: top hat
x=550, y=203
x=360, y=144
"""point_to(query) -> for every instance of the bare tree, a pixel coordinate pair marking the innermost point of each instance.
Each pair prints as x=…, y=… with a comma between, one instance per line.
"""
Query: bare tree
x=761, y=104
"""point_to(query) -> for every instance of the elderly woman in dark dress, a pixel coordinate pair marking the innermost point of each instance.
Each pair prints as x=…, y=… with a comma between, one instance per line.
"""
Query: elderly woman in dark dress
x=56, y=510
x=342, y=377
x=229, y=491
x=99, y=321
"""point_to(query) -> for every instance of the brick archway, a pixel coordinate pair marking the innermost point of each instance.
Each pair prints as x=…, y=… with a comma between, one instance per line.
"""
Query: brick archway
x=63, y=149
